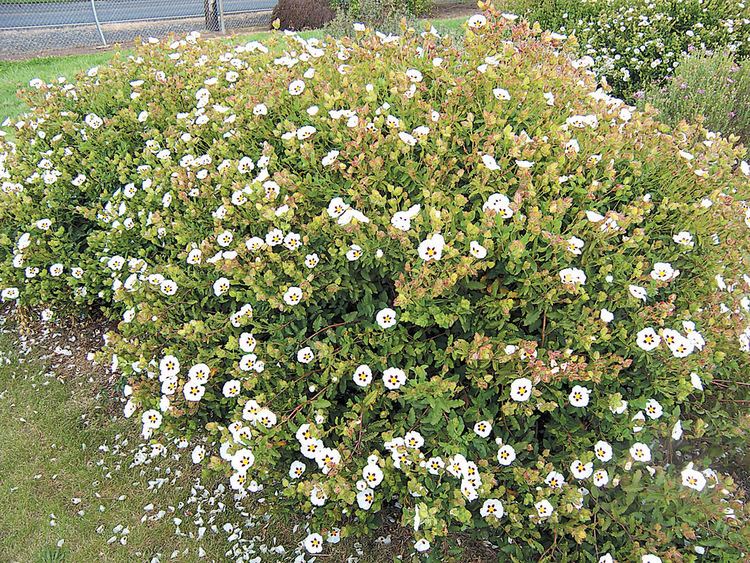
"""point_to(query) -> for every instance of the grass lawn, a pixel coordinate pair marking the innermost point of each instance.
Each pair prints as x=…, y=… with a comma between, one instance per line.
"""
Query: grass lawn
x=16, y=74
x=51, y=431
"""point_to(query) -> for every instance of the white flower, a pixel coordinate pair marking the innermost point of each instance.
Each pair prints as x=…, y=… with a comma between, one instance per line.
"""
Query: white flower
x=169, y=366
x=600, y=477
x=195, y=256
x=296, y=87
x=168, y=287
x=603, y=451
x=650, y=558
x=490, y=162
x=579, y=396
x=647, y=339
x=93, y=121
x=193, y=391
x=520, y=389
x=393, y=378
x=663, y=271
x=224, y=239
x=506, y=455
x=386, y=318
x=680, y=346
x=336, y=207
x=414, y=75
x=407, y=139
x=305, y=355
x=151, y=419
x=693, y=479
x=330, y=158
x=483, y=428
x=297, y=469
x=362, y=375
x=638, y=292
x=431, y=248
x=354, y=253
x=477, y=250
x=581, y=470
x=572, y=276
x=313, y=543
x=247, y=342
x=254, y=244
x=365, y=498
x=640, y=452
x=413, y=440
x=198, y=454
x=575, y=245
x=292, y=296
x=684, y=238
x=696, y=382
x=435, y=465
x=606, y=316
x=274, y=237
x=544, y=508
x=653, y=409
x=221, y=286
x=9, y=294
x=677, y=430
x=401, y=220
x=199, y=373
x=492, y=507
x=231, y=388
x=422, y=545
x=477, y=21
x=554, y=480
x=501, y=94
x=500, y=204
x=372, y=474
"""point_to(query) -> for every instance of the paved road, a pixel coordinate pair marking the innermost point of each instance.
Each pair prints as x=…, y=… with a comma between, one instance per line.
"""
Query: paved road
x=79, y=11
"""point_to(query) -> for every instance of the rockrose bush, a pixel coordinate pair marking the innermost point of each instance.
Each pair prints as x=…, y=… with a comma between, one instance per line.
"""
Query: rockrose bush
x=638, y=42
x=390, y=273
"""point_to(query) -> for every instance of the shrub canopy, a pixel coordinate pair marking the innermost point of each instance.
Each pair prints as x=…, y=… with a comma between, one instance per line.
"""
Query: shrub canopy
x=396, y=272
x=638, y=42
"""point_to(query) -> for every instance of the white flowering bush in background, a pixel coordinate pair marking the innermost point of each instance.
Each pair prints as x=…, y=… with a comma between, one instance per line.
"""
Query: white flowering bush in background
x=635, y=43
x=392, y=273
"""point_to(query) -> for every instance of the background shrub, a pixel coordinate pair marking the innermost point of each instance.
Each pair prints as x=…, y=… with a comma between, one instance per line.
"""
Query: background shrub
x=386, y=15
x=710, y=85
x=637, y=43
x=302, y=14
x=480, y=217
x=413, y=7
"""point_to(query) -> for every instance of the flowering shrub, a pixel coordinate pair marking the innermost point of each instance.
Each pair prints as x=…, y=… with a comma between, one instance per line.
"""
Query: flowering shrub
x=636, y=43
x=392, y=272
x=711, y=85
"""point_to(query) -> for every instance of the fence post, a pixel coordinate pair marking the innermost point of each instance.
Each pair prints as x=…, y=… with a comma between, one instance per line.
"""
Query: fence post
x=98, y=25
x=212, y=16
x=220, y=6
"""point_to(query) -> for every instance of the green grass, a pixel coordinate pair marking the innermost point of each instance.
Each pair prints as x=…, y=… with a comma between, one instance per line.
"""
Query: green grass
x=44, y=425
x=17, y=74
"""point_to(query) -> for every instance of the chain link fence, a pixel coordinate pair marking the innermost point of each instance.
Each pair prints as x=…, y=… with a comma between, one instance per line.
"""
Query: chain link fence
x=30, y=27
